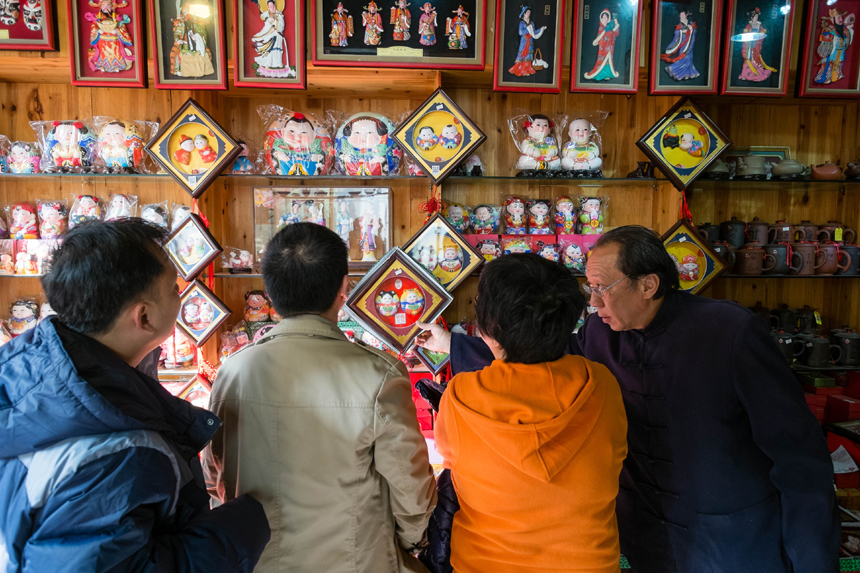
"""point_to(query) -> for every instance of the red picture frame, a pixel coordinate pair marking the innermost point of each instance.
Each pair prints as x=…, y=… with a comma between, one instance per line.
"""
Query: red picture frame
x=219, y=60
x=297, y=56
x=809, y=68
x=431, y=63
x=44, y=42
x=499, y=66
x=714, y=57
x=725, y=88
x=574, y=45
x=81, y=24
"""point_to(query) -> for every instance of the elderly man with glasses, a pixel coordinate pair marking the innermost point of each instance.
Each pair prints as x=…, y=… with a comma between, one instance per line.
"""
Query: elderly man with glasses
x=727, y=471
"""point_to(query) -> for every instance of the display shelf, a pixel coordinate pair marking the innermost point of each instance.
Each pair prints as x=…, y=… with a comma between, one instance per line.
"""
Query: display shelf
x=791, y=276
x=833, y=368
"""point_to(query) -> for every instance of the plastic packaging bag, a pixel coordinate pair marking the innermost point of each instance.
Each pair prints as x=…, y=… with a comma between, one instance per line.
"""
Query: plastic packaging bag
x=156, y=213
x=485, y=219
x=536, y=138
x=4, y=231
x=7, y=257
x=295, y=143
x=85, y=208
x=120, y=145
x=33, y=256
x=257, y=306
x=471, y=167
x=460, y=216
x=540, y=222
x=364, y=146
x=549, y=251
x=4, y=154
x=574, y=251
x=24, y=157
x=565, y=216
x=582, y=154
x=237, y=261
x=512, y=245
x=178, y=214
x=24, y=316
x=22, y=221
x=490, y=249
x=53, y=218
x=45, y=310
x=5, y=335
x=592, y=211
x=121, y=207
x=516, y=222
x=67, y=146
x=246, y=162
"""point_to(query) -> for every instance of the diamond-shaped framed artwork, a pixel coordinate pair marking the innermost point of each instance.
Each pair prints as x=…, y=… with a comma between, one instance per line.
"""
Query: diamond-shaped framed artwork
x=444, y=252
x=435, y=362
x=683, y=143
x=438, y=136
x=394, y=296
x=193, y=148
x=191, y=247
x=697, y=263
x=200, y=312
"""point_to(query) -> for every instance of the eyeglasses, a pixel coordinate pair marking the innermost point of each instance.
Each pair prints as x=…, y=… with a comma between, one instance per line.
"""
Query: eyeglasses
x=601, y=292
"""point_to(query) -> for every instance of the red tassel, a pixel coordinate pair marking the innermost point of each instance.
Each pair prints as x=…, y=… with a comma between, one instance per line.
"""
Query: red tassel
x=685, y=209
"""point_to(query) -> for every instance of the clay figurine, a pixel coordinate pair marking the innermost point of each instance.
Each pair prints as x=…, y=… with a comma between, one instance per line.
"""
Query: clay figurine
x=489, y=249
x=24, y=317
x=450, y=257
x=121, y=147
x=242, y=165
x=581, y=154
x=341, y=26
x=485, y=220
x=7, y=267
x=573, y=258
x=401, y=19
x=387, y=303
x=297, y=144
x=22, y=221
x=525, y=63
x=315, y=212
x=120, y=207
x=412, y=302
x=369, y=225
x=565, y=216
x=23, y=158
x=293, y=216
x=458, y=215
x=85, y=208
x=32, y=14
x=52, y=219
x=257, y=306
x=343, y=221
x=539, y=220
x=364, y=146
x=46, y=311
x=427, y=25
x=645, y=170
x=156, y=214
x=426, y=256
x=450, y=138
x=516, y=246
x=591, y=215
x=685, y=142
x=607, y=31
x=372, y=21
x=548, y=252
x=539, y=150
x=427, y=138
x=272, y=59
x=515, y=219
x=457, y=29
x=69, y=146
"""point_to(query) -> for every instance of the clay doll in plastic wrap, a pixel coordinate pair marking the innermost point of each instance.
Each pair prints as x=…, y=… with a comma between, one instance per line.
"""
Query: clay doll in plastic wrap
x=25, y=265
x=69, y=146
x=155, y=214
x=7, y=267
x=343, y=221
x=52, y=217
x=539, y=220
x=515, y=218
x=581, y=153
x=315, y=212
x=293, y=216
x=23, y=158
x=242, y=165
x=85, y=208
x=257, y=306
x=22, y=221
x=364, y=146
x=591, y=215
x=458, y=216
x=299, y=145
x=517, y=246
x=565, y=216
x=539, y=150
x=46, y=311
x=369, y=225
x=489, y=249
x=180, y=213
x=548, y=252
x=24, y=317
x=573, y=258
x=120, y=207
x=120, y=146
x=485, y=220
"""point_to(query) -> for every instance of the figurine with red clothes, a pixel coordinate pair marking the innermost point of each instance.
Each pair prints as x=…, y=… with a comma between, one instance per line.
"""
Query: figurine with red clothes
x=24, y=317
x=608, y=31
x=565, y=216
x=183, y=154
x=85, y=208
x=257, y=306
x=539, y=220
x=515, y=219
x=689, y=268
x=22, y=222
x=207, y=154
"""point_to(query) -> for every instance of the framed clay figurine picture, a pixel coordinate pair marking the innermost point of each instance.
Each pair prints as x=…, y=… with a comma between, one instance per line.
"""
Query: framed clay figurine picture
x=197, y=391
x=435, y=362
x=683, y=143
x=27, y=25
x=394, y=296
x=269, y=41
x=193, y=148
x=191, y=247
x=200, y=313
x=106, y=40
x=439, y=136
x=444, y=252
x=758, y=46
x=697, y=263
x=830, y=64
x=528, y=46
x=604, y=54
x=685, y=46
x=188, y=48
x=432, y=34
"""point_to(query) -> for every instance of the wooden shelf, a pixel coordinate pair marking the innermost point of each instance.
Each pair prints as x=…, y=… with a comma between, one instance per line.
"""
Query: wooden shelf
x=764, y=276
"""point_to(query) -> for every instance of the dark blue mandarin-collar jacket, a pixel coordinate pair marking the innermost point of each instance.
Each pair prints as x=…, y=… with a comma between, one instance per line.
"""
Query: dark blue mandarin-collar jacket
x=728, y=470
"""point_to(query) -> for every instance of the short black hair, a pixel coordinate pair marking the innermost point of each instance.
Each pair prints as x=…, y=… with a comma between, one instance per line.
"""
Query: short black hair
x=101, y=268
x=303, y=268
x=641, y=252
x=530, y=306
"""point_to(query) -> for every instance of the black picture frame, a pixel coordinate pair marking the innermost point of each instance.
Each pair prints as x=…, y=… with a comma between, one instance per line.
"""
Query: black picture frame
x=192, y=225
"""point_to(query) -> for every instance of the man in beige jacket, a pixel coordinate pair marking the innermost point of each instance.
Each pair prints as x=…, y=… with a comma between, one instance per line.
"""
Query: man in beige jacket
x=323, y=432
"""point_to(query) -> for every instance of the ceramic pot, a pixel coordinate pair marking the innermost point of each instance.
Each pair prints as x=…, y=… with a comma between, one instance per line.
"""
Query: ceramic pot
x=764, y=314
x=788, y=320
x=752, y=260
x=733, y=232
x=853, y=253
x=849, y=342
x=806, y=320
x=810, y=231
x=829, y=232
x=789, y=345
x=819, y=352
x=709, y=232
x=724, y=250
x=853, y=170
x=809, y=251
x=782, y=232
x=751, y=165
x=827, y=172
x=787, y=167
x=757, y=232
x=786, y=259
x=835, y=332
x=830, y=259
x=716, y=170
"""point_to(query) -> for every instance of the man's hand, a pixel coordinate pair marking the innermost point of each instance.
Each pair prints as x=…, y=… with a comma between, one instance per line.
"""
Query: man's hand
x=434, y=338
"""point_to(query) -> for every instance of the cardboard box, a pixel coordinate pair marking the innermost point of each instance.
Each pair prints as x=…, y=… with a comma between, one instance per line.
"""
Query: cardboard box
x=819, y=413
x=852, y=387
x=845, y=481
x=842, y=409
x=822, y=390
x=815, y=400
x=816, y=379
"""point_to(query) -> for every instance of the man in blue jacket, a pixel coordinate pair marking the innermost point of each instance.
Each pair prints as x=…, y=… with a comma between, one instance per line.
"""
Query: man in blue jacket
x=727, y=471
x=99, y=466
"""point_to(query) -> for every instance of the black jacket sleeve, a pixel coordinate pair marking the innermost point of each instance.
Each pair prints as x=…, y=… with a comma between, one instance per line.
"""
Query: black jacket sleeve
x=437, y=555
x=469, y=354
x=787, y=432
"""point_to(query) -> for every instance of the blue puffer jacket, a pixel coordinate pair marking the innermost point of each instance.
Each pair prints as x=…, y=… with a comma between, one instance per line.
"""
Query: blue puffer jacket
x=99, y=469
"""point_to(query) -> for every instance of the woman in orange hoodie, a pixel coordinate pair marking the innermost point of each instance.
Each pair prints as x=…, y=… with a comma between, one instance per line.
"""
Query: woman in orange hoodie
x=535, y=441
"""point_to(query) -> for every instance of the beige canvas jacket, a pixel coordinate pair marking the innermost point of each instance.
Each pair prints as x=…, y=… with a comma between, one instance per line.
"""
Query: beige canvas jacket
x=323, y=432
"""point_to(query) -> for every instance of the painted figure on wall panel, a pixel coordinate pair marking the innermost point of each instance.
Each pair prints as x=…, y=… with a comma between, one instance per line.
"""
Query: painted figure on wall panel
x=836, y=39
x=525, y=60
x=191, y=56
x=111, y=44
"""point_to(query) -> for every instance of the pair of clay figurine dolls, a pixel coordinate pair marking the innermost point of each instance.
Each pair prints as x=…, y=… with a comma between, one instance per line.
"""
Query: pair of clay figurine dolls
x=540, y=155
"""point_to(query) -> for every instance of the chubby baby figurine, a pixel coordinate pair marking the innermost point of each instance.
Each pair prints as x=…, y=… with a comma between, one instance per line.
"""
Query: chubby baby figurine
x=427, y=138
x=515, y=219
x=22, y=221
x=412, y=302
x=458, y=215
x=387, y=303
x=573, y=258
x=485, y=220
x=581, y=153
x=52, y=217
x=548, y=252
x=539, y=150
x=565, y=216
x=591, y=215
x=24, y=316
x=539, y=221
x=489, y=249
x=450, y=138
x=257, y=306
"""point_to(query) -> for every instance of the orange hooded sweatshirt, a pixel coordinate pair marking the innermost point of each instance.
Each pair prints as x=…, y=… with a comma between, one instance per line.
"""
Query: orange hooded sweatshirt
x=535, y=451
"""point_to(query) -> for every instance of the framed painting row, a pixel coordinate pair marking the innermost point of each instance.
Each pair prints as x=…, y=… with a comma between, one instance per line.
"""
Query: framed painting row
x=697, y=46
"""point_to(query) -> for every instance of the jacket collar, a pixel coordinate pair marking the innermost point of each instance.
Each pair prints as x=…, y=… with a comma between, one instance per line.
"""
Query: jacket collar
x=665, y=315
x=308, y=325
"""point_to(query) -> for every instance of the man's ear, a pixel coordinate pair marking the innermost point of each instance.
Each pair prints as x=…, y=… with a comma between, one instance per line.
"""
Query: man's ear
x=343, y=293
x=139, y=315
x=648, y=285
